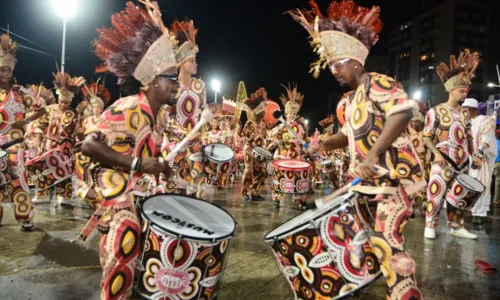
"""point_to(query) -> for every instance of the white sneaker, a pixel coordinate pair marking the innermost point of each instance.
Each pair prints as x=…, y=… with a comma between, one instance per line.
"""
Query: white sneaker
x=40, y=201
x=463, y=233
x=430, y=233
x=64, y=202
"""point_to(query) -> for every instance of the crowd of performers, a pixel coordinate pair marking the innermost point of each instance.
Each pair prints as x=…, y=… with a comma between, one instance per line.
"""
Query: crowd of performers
x=129, y=147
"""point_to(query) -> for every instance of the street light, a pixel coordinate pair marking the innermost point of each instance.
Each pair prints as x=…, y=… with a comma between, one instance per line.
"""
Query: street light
x=306, y=121
x=491, y=85
x=216, y=87
x=417, y=95
x=66, y=9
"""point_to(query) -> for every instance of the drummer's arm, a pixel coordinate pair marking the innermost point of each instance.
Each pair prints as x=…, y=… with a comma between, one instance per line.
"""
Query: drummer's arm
x=338, y=140
x=104, y=154
x=34, y=116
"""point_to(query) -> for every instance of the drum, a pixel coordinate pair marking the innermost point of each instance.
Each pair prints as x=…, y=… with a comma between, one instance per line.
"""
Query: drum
x=218, y=158
x=186, y=247
x=261, y=154
x=5, y=177
x=291, y=176
x=327, y=167
x=51, y=167
x=325, y=253
x=464, y=192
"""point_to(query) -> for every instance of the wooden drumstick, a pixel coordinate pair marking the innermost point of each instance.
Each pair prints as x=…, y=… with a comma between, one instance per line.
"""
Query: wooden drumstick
x=206, y=117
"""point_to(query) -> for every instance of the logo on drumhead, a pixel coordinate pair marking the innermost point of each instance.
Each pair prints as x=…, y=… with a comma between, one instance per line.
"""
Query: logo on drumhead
x=171, y=281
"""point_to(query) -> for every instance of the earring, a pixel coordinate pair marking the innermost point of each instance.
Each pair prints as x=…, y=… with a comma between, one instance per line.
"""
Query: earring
x=156, y=85
x=355, y=67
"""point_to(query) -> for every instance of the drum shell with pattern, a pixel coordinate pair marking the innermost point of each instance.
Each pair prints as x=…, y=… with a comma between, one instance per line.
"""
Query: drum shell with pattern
x=5, y=177
x=261, y=154
x=291, y=176
x=464, y=192
x=218, y=164
x=183, y=267
x=51, y=167
x=329, y=258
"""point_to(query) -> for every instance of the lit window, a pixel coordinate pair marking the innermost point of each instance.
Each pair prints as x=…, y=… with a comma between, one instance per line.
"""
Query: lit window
x=432, y=54
x=424, y=58
x=422, y=79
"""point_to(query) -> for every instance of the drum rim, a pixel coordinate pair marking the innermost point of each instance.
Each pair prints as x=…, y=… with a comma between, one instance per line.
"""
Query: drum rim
x=268, y=239
x=275, y=164
x=3, y=154
x=176, y=234
x=468, y=187
x=267, y=153
x=212, y=159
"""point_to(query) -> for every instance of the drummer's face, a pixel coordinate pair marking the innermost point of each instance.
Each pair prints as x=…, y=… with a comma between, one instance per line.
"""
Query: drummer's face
x=290, y=116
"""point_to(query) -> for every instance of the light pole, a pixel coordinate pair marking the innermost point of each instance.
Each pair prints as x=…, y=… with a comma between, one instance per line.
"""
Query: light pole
x=216, y=87
x=66, y=9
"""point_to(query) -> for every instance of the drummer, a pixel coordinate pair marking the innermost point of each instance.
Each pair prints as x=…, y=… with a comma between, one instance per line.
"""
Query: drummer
x=288, y=147
x=97, y=96
x=14, y=101
x=254, y=135
x=378, y=116
x=60, y=122
x=443, y=124
x=124, y=142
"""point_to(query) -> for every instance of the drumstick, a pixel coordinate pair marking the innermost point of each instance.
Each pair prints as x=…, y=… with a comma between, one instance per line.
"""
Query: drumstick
x=11, y=143
x=206, y=116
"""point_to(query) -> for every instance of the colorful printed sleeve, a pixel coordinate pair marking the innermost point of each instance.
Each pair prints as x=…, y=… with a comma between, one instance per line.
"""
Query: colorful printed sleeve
x=431, y=123
x=116, y=126
x=388, y=95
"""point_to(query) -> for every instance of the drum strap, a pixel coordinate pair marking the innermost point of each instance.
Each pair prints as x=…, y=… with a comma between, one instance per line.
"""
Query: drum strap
x=452, y=163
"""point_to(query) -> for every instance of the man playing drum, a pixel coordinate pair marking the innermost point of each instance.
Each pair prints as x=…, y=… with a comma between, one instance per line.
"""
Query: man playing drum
x=447, y=134
x=14, y=102
x=127, y=138
x=377, y=116
x=60, y=123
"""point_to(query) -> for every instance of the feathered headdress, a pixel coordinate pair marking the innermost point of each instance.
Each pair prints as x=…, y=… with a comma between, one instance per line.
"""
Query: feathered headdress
x=293, y=100
x=42, y=96
x=8, y=49
x=257, y=101
x=137, y=45
x=96, y=94
x=66, y=83
x=185, y=33
x=347, y=31
x=327, y=121
x=460, y=72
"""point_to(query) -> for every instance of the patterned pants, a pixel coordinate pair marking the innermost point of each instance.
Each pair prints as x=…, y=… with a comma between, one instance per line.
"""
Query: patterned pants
x=392, y=212
x=254, y=175
x=23, y=207
x=439, y=184
x=64, y=189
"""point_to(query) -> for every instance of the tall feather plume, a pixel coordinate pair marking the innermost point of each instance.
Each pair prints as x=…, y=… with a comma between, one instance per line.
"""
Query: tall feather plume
x=292, y=95
x=467, y=63
x=315, y=8
x=327, y=121
x=96, y=90
x=66, y=82
x=184, y=31
x=8, y=46
x=41, y=91
x=256, y=98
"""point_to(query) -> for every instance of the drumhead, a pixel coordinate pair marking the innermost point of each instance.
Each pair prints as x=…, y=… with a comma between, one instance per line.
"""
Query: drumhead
x=262, y=151
x=305, y=218
x=2, y=154
x=220, y=152
x=470, y=182
x=292, y=164
x=327, y=162
x=188, y=217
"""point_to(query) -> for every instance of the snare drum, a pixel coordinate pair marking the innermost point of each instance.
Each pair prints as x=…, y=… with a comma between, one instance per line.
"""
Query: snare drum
x=261, y=154
x=218, y=158
x=4, y=168
x=291, y=176
x=186, y=247
x=51, y=167
x=325, y=253
x=464, y=192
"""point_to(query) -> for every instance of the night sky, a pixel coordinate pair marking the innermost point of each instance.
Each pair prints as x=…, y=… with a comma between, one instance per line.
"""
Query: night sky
x=252, y=41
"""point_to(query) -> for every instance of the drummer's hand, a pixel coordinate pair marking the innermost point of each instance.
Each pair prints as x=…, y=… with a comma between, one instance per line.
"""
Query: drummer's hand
x=366, y=170
x=18, y=124
x=152, y=165
x=477, y=162
x=169, y=173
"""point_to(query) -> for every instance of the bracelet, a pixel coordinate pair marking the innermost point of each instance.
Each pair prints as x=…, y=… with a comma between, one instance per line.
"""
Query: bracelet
x=135, y=164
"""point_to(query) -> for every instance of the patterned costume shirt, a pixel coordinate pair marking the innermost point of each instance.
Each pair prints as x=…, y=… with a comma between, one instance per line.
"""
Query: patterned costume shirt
x=190, y=104
x=60, y=126
x=254, y=134
x=13, y=106
x=289, y=147
x=377, y=98
x=450, y=131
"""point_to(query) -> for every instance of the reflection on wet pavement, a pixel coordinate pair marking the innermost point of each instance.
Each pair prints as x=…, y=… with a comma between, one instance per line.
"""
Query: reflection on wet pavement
x=47, y=264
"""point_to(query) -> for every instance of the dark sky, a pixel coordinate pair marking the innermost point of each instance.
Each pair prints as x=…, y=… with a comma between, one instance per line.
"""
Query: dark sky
x=251, y=41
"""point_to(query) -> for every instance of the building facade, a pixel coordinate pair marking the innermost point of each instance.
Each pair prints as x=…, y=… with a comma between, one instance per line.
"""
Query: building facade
x=446, y=28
